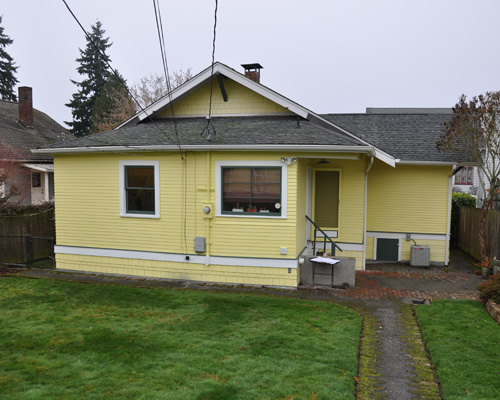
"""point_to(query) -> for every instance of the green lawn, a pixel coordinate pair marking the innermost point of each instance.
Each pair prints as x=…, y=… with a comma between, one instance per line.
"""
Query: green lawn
x=61, y=340
x=464, y=343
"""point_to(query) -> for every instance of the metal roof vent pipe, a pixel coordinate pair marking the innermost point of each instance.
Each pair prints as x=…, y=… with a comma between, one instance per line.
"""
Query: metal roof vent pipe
x=252, y=71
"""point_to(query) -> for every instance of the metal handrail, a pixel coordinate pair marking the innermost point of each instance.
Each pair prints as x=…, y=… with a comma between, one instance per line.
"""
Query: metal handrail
x=325, y=238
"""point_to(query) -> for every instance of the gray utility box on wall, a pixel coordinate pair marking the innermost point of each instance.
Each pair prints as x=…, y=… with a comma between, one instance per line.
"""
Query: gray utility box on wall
x=420, y=256
x=199, y=244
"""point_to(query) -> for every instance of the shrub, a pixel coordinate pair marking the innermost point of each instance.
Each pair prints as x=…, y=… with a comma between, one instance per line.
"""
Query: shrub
x=490, y=289
x=463, y=199
x=7, y=209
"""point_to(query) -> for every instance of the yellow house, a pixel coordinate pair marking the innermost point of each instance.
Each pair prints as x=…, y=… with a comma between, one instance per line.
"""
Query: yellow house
x=214, y=182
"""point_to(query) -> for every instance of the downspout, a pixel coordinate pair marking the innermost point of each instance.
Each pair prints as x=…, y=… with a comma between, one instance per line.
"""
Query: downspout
x=366, y=208
x=207, y=227
x=448, y=217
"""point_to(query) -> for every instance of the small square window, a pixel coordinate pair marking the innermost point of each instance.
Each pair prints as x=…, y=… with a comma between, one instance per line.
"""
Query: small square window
x=139, y=189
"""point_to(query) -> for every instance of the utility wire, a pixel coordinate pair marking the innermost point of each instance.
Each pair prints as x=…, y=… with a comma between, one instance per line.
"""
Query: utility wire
x=161, y=40
x=120, y=80
x=209, y=117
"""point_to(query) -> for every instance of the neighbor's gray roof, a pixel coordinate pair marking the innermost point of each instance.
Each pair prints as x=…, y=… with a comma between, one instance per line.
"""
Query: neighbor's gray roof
x=409, y=137
x=273, y=130
x=16, y=139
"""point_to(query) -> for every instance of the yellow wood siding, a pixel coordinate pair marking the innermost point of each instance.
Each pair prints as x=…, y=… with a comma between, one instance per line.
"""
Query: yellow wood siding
x=180, y=271
x=241, y=100
x=411, y=199
x=87, y=192
x=301, y=201
x=370, y=243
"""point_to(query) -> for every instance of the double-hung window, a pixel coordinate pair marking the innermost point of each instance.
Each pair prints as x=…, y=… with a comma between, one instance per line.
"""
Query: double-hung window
x=251, y=189
x=139, y=189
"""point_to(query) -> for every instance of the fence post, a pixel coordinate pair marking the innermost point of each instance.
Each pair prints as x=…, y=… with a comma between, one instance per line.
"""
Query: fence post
x=53, y=252
x=29, y=253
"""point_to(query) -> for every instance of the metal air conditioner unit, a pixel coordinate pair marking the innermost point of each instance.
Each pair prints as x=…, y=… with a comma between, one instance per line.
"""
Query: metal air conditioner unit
x=420, y=256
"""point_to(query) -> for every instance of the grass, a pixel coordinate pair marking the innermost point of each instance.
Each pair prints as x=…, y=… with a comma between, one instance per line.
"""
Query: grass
x=62, y=340
x=464, y=343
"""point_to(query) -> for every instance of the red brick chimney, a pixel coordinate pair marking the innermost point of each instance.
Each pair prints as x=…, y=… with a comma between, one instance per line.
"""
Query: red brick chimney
x=252, y=71
x=26, y=106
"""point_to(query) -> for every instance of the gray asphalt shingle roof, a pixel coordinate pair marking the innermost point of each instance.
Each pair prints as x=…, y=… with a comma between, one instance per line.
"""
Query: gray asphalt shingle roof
x=409, y=137
x=229, y=131
x=19, y=140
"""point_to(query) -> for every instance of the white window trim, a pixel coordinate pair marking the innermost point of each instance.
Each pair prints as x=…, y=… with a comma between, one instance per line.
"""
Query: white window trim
x=218, y=186
x=123, y=201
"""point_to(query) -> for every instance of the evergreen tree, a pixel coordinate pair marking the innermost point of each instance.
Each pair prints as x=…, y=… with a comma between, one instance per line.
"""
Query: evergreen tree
x=113, y=106
x=7, y=69
x=93, y=66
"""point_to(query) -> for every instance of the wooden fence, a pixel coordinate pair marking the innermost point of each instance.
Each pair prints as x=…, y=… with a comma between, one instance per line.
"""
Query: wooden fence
x=468, y=232
x=15, y=244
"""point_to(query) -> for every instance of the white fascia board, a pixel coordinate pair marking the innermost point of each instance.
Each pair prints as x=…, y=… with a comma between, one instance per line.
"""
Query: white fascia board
x=40, y=167
x=256, y=147
x=384, y=157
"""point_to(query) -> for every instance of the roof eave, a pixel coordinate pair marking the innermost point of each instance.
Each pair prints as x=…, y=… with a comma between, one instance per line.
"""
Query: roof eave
x=271, y=147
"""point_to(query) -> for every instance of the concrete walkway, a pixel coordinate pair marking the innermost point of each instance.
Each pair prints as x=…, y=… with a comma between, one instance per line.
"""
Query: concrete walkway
x=393, y=363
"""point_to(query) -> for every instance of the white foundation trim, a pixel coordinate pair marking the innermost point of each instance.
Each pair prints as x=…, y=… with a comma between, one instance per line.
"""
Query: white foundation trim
x=180, y=258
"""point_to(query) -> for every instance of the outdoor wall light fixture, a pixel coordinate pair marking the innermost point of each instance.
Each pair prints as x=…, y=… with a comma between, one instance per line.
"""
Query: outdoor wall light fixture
x=288, y=160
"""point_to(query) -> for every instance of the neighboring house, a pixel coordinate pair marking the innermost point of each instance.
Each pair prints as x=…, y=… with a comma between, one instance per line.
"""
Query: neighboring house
x=225, y=199
x=22, y=128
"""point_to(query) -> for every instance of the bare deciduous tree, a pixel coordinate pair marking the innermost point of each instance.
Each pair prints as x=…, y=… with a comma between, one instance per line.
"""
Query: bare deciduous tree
x=10, y=172
x=475, y=130
x=153, y=87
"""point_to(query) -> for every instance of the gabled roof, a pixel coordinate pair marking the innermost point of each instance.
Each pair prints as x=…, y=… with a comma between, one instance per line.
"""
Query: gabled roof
x=203, y=78
x=408, y=135
x=263, y=132
x=16, y=139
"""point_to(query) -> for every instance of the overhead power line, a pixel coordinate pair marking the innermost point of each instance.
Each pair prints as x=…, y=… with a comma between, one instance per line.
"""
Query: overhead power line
x=209, y=117
x=161, y=40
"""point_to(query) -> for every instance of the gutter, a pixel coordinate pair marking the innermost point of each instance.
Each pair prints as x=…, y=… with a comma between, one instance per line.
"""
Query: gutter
x=197, y=147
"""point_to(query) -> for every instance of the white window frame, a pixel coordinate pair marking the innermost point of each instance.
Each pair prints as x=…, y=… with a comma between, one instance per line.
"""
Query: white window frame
x=251, y=164
x=123, y=199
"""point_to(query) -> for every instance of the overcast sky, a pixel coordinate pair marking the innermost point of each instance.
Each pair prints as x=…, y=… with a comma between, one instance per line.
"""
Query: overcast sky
x=332, y=56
